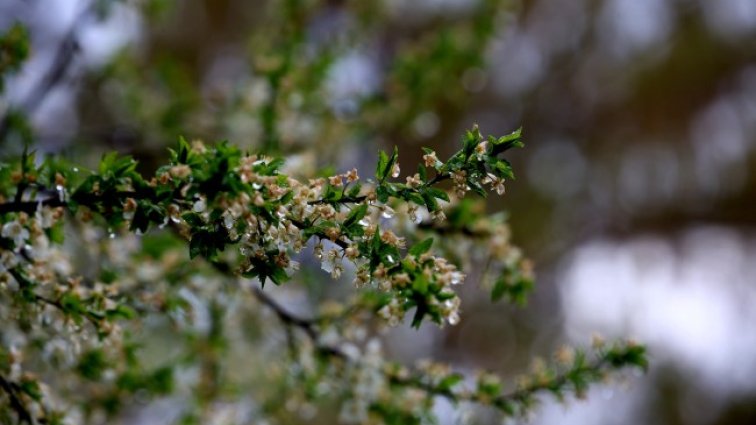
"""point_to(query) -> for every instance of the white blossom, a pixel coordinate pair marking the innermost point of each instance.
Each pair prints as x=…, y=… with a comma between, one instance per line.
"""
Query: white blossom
x=17, y=232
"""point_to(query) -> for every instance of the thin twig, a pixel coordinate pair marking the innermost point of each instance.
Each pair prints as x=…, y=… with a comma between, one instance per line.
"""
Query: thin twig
x=501, y=401
x=10, y=389
x=67, y=49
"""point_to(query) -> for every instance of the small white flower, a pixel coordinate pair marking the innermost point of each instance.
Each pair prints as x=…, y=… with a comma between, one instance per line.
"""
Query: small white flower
x=336, y=180
x=174, y=213
x=180, y=171
x=8, y=260
x=337, y=270
x=497, y=183
x=129, y=207
x=14, y=230
x=438, y=216
x=430, y=159
x=45, y=217
x=414, y=181
x=387, y=211
x=481, y=149
x=457, y=278
x=200, y=205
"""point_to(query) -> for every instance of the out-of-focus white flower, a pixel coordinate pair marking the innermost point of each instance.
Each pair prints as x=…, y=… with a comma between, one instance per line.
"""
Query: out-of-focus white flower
x=199, y=206
x=16, y=231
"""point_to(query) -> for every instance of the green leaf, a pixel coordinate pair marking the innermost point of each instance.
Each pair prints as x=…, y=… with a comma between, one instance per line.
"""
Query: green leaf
x=499, y=289
x=420, y=312
x=501, y=168
x=413, y=197
x=422, y=172
x=141, y=219
x=266, y=268
x=430, y=201
x=161, y=381
x=420, y=284
x=438, y=193
x=107, y=162
x=515, y=135
x=354, y=191
x=380, y=169
x=477, y=188
x=633, y=355
x=357, y=214
x=392, y=160
x=182, y=155
x=278, y=276
x=72, y=305
x=193, y=219
x=286, y=198
x=14, y=49
x=513, y=287
x=92, y=364
x=56, y=233
x=270, y=168
x=469, y=142
x=383, y=192
x=121, y=312
x=512, y=140
x=491, y=389
x=31, y=388
x=203, y=244
x=331, y=194
x=385, y=164
x=450, y=381
x=421, y=248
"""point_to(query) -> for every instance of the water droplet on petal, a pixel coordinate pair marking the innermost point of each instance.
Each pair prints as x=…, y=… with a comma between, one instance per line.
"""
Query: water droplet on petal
x=456, y=278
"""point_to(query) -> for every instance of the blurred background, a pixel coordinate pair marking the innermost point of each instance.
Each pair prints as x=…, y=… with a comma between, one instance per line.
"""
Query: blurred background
x=636, y=192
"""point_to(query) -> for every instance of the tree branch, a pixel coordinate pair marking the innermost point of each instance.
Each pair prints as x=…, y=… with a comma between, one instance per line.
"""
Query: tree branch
x=67, y=49
x=17, y=405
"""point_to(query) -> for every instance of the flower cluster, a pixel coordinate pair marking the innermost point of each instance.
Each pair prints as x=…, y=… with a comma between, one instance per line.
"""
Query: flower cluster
x=250, y=224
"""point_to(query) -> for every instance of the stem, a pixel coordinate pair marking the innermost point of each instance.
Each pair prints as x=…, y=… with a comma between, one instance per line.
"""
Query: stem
x=11, y=389
x=502, y=401
x=30, y=206
x=308, y=326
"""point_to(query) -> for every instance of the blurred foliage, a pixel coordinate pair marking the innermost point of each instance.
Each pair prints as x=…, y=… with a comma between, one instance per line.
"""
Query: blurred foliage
x=639, y=118
x=14, y=49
